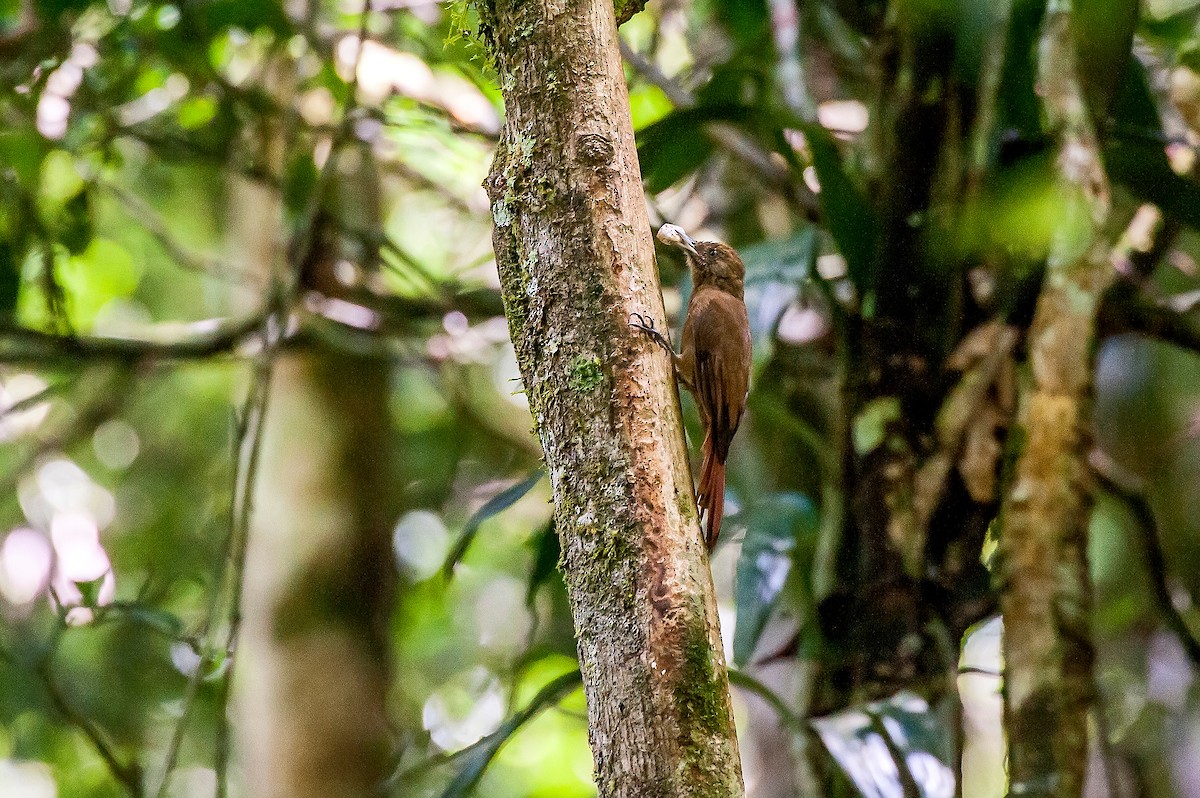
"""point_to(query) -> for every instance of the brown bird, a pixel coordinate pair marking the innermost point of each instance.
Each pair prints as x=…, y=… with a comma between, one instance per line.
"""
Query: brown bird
x=714, y=361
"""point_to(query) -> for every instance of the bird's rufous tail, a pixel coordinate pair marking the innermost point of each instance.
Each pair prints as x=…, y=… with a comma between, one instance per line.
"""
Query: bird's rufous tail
x=710, y=497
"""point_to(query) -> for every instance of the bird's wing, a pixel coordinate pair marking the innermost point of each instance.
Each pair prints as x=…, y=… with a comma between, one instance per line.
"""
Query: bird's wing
x=717, y=343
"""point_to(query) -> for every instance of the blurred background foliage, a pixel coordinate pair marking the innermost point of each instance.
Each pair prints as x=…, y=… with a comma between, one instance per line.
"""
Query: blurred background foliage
x=130, y=310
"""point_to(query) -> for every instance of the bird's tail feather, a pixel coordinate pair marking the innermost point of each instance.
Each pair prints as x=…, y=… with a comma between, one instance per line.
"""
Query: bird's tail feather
x=711, y=494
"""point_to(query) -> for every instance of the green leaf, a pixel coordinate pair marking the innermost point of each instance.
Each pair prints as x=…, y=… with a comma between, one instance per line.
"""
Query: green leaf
x=746, y=21
x=546, y=552
x=60, y=181
x=847, y=213
x=914, y=740
x=195, y=112
x=1018, y=105
x=1135, y=155
x=299, y=182
x=788, y=260
x=1103, y=31
x=479, y=756
x=102, y=272
x=677, y=144
x=154, y=618
x=776, y=527
x=493, y=506
x=74, y=224
x=89, y=591
x=22, y=151
x=12, y=256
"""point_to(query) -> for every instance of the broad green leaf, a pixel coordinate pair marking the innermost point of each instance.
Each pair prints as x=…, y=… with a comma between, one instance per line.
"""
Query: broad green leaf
x=60, y=181
x=787, y=260
x=776, y=527
x=1018, y=107
x=1103, y=36
x=493, y=506
x=154, y=618
x=678, y=144
x=545, y=560
x=74, y=226
x=102, y=272
x=22, y=151
x=847, y=213
x=673, y=147
x=196, y=112
x=479, y=756
x=1135, y=155
x=647, y=105
x=299, y=183
x=896, y=746
x=12, y=256
x=89, y=591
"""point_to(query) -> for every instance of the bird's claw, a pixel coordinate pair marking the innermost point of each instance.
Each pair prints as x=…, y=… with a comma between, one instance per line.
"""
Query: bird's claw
x=646, y=325
x=643, y=323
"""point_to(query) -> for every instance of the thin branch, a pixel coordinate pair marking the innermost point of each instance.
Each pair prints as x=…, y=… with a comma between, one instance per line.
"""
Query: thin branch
x=102, y=405
x=907, y=782
x=251, y=446
x=1126, y=309
x=128, y=774
x=23, y=345
x=44, y=395
x=157, y=227
x=1156, y=564
x=730, y=138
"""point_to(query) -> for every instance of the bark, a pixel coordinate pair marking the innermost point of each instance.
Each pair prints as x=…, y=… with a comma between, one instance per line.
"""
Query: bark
x=1045, y=590
x=314, y=670
x=314, y=721
x=575, y=254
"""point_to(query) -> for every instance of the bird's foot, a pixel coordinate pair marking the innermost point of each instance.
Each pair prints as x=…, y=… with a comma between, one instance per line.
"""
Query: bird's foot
x=646, y=325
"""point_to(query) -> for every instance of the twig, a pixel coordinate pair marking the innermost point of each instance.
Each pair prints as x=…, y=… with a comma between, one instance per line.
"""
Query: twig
x=21, y=344
x=1126, y=309
x=1156, y=564
x=101, y=406
x=787, y=717
x=243, y=507
x=33, y=400
x=157, y=227
x=230, y=562
x=730, y=138
x=129, y=775
x=907, y=782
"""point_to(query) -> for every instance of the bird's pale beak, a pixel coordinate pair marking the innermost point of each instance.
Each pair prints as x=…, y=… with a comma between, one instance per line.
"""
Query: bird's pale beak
x=673, y=234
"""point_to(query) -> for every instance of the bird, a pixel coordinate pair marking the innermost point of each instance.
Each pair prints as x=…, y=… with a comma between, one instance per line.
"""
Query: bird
x=714, y=359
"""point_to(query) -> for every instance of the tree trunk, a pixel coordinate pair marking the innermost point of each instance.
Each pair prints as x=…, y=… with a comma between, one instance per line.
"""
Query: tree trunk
x=1046, y=593
x=314, y=697
x=320, y=579
x=575, y=254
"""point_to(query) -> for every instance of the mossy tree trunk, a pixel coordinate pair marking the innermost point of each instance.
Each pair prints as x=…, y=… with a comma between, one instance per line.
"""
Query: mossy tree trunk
x=576, y=258
x=1045, y=588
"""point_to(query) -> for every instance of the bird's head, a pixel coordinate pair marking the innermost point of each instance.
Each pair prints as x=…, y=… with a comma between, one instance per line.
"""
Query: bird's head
x=711, y=263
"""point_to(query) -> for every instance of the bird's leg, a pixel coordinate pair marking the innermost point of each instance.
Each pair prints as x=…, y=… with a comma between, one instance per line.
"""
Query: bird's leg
x=646, y=325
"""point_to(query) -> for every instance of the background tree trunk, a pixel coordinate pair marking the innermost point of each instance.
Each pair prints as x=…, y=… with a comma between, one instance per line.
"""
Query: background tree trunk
x=575, y=254
x=313, y=699
x=1046, y=587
